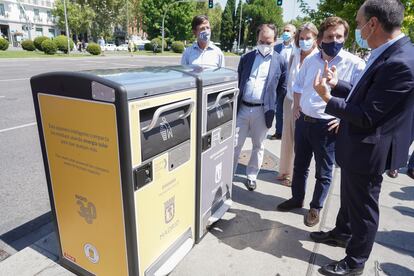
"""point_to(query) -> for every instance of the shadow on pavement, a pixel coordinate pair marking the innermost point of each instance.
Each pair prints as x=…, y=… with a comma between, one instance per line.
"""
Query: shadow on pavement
x=406, y=211
x=406, y=194
x=248, y=230
x=397, y=240
x=255, y=199
x=396, y=270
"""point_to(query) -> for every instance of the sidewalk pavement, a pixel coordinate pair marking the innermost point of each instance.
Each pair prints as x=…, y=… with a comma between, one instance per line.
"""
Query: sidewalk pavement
x=255, y=239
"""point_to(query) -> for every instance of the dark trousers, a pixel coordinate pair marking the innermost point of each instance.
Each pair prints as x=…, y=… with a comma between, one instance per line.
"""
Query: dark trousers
x=359, y=214
x=279, y=114
x=313, y=138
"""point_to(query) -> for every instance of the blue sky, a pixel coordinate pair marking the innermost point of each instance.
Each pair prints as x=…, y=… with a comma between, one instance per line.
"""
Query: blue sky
x=290, y=7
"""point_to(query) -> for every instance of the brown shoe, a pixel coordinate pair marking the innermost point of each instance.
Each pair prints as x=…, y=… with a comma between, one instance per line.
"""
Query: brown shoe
x=312, y=217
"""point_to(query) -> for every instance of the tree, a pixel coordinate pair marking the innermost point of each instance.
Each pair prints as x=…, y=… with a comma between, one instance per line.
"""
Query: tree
x=214, y=15
x=237, y=25
x=347, y=9
x=79, y=18
x=262, y=11
x=227, y=34
x=177, y=19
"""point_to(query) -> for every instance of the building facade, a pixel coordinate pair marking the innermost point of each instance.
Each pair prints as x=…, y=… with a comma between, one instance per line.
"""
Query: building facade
x=27, y=19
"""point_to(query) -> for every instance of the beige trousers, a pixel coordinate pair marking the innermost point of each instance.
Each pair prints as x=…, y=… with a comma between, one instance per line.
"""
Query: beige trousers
x=287, y=153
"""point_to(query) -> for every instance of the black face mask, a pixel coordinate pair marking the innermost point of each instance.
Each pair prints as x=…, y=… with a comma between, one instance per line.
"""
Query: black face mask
x=332, y=49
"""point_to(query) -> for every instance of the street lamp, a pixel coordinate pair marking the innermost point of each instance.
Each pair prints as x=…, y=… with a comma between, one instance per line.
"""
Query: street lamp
x=165, y=13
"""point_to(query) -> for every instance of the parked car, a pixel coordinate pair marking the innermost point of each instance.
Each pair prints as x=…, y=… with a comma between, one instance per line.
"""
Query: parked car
x=122, y=47
x=110, y=47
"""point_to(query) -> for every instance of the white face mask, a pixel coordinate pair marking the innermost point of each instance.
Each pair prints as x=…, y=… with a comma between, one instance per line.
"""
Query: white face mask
x=264, y=49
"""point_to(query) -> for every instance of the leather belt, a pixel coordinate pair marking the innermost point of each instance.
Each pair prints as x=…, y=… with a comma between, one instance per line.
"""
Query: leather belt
x=251, y=104
x=309, y=119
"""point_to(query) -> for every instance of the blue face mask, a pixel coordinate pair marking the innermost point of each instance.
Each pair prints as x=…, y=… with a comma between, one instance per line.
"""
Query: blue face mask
x=332, y=48
x=363, y=43
x=306, y=45
x=286, y=36
x=205, y=36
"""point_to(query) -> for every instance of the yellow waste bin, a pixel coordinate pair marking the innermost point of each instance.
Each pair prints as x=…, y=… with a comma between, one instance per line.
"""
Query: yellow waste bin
x=119, y=150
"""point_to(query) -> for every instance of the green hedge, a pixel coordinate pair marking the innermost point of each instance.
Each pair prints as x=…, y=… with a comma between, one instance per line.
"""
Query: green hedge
x=4, y=44
x=28, y=45
x=148, y=47
x=38, y=42
x=157, y=41
x=49, y=47
x=177, y=47
x=93, y=49
x=62, y=43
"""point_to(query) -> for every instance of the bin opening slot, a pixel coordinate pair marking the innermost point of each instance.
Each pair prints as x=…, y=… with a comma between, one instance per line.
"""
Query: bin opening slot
x=171, y=128
x=221, y=113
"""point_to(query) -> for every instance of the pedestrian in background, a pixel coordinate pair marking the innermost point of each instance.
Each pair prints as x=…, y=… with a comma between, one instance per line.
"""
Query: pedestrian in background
x=286, y=48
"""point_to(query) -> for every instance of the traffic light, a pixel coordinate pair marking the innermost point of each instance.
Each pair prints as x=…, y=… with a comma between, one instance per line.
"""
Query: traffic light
x=279, y=2
x=210, y=4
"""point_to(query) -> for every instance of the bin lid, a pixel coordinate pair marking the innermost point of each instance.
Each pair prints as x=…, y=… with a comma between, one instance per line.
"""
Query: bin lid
x=209, y=75
x=147, y=81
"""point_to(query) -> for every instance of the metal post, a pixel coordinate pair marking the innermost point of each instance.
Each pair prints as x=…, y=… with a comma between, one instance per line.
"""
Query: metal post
x=163, y=32
x=240, y=24
x=66, y=23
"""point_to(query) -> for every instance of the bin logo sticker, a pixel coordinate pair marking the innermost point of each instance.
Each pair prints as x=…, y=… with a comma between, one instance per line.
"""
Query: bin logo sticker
x=169, y=209
x=91, y=253
x=87, y=210
x=218, y=173
x=165, y=129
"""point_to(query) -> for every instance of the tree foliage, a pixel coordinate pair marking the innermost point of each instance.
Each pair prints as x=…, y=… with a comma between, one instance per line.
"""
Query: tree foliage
x=347, y=9
x=177, y=20
x=261, y=11
x=227, y=34
x=80, y=17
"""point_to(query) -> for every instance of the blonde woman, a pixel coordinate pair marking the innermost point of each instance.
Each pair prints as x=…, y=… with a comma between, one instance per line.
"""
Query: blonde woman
x=306, y=45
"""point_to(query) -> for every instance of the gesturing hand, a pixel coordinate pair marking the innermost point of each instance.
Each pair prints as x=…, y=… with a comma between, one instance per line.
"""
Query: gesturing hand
x=321, y=86
x=331, y=75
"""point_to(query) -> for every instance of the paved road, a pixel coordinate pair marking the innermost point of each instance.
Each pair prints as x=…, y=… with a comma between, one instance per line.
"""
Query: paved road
x=23, y=191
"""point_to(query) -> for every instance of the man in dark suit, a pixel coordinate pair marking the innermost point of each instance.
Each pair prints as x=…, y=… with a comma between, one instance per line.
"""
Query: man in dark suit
x=285, y=49
x=375, y=130
x=262, y=76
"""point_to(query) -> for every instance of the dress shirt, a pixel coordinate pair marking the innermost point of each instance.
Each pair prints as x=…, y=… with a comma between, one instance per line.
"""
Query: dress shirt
x=211, y=56
x=253, y=92
x=294, y=68
x=287, y=50
x=373, y=56
x=348, y=66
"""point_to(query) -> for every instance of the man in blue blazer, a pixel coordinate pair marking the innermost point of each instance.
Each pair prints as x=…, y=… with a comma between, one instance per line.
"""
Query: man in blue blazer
x=375, y=130
x=262, y=77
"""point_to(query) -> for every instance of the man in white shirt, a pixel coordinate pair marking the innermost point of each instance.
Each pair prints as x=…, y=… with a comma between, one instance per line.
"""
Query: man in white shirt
x=203, y=51
x=315, y=130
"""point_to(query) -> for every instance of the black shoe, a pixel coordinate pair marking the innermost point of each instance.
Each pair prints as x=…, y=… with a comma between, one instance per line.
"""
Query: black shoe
x=250, y=185
x=289, y=204
x=340, y=268
x=410, y=173
x=328, y=238
x=392, y=173
x=276, y=136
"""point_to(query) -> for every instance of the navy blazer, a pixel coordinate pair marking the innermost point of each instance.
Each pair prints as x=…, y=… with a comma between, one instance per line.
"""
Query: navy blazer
x=377, y=121
x=275, y=83
x=278, y=48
